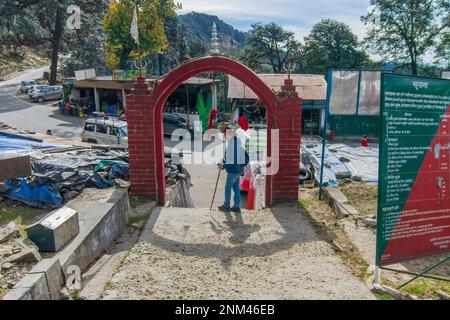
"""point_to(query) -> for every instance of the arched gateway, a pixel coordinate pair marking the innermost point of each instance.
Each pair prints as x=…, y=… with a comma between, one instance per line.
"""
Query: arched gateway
x=145, y=127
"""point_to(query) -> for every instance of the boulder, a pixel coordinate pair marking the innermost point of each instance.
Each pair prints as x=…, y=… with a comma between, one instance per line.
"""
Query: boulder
x=5, y=251
x=8, y=232
x=28, y=255
x=6, y=266
x=369, y=222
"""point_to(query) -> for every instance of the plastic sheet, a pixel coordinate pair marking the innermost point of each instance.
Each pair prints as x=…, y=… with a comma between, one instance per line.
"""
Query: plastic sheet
x=334, y=169
x=9, y=144
x=370, y=88
x=60, y=177
x=344, y=93
x=361, y=161
x=342, y=162
x=33, y=195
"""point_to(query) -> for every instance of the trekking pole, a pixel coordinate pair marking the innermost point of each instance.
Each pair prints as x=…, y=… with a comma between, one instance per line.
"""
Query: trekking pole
x=215, y=189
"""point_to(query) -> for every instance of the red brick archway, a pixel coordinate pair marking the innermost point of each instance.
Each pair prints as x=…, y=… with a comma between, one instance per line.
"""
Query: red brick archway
x=146, y=139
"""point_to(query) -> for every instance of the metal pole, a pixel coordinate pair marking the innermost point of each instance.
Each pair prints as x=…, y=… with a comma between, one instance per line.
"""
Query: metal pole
x=215, y=189
x=358, y=96
x=377, y=275
x=324, y=134
x=187, y=103
x=139, y=41
x=415, y=274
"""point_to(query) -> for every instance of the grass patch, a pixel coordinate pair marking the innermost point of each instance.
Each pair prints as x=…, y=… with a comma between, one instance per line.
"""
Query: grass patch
x=307, y=203
x=108, y=285
x=75, y=295
x=426, y=289
x=21, y=214
x=383, y=296
x=140, y=220
x=136, y=201
x=363, y=197
x=2, y=293
x=422, y=288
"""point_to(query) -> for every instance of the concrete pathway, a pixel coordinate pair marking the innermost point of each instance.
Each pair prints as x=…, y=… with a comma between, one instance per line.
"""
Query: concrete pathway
x=204, y=179
x=196, y=254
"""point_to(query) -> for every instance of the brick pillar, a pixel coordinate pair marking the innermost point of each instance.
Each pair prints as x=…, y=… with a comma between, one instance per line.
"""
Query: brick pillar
x=288, y=120
x=141, y=140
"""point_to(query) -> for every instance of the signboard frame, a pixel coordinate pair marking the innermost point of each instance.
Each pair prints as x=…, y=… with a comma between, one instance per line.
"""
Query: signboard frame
x=86, y=74
x=382, y=188
x=445, y=74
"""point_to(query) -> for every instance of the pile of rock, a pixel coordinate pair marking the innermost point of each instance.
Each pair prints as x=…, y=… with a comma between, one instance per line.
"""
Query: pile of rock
x=17, y=256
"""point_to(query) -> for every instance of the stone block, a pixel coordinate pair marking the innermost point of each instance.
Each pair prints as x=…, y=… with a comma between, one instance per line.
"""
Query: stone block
x=28, y=255
x=336, y=195
x=8, y=232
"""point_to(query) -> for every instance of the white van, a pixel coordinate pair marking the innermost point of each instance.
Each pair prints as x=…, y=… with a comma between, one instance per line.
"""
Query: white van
x=108, y=131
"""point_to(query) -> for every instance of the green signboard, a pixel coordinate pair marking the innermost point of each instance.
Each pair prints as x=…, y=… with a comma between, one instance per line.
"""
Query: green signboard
x=414, y=173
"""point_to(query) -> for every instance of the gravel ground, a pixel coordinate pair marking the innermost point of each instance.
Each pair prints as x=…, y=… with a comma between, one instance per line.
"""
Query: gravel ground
x=195, y=254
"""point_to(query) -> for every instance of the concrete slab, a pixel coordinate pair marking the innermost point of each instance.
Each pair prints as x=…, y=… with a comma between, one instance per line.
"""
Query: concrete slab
x=204, y=179
x=197, y=254
x=101, y=222
x=102, y=218
x=37, y=287
x=54, y=276
x=18, y=294
x=336, y=195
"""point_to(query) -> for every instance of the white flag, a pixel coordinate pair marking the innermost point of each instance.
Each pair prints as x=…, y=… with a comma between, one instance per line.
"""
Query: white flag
x=134, y=27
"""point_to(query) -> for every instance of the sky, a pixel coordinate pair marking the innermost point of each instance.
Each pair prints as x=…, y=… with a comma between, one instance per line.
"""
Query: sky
x=298, y=16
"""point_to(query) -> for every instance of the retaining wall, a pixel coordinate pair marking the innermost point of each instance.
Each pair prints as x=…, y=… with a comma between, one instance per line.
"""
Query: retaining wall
x=100, y=224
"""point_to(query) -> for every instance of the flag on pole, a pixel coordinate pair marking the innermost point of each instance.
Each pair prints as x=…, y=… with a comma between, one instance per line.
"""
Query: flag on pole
x=134, y=27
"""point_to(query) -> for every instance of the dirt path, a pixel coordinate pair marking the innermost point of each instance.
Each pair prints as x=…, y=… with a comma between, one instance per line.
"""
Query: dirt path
x=194, y=254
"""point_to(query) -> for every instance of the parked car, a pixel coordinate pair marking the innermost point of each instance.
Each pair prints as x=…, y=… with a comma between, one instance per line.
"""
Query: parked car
x=48, y=93
x=26, y=85
x=34, y=89
x=108, y=131
x=174, y=121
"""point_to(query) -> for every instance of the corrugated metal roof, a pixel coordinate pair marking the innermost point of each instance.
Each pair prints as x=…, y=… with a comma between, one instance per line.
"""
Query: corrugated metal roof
x=309, y=86
x=193, y=80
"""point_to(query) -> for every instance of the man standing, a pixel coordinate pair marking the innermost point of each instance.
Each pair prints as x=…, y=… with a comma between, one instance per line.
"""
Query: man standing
x=235, y=160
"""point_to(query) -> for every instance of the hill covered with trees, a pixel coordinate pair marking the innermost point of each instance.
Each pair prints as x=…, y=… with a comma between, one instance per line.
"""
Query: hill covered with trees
x=198, y=27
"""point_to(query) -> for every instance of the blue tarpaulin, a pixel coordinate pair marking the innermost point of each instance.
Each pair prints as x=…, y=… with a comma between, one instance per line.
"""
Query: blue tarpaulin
x=60, y=177
x=33, y=195
x=22, y=146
